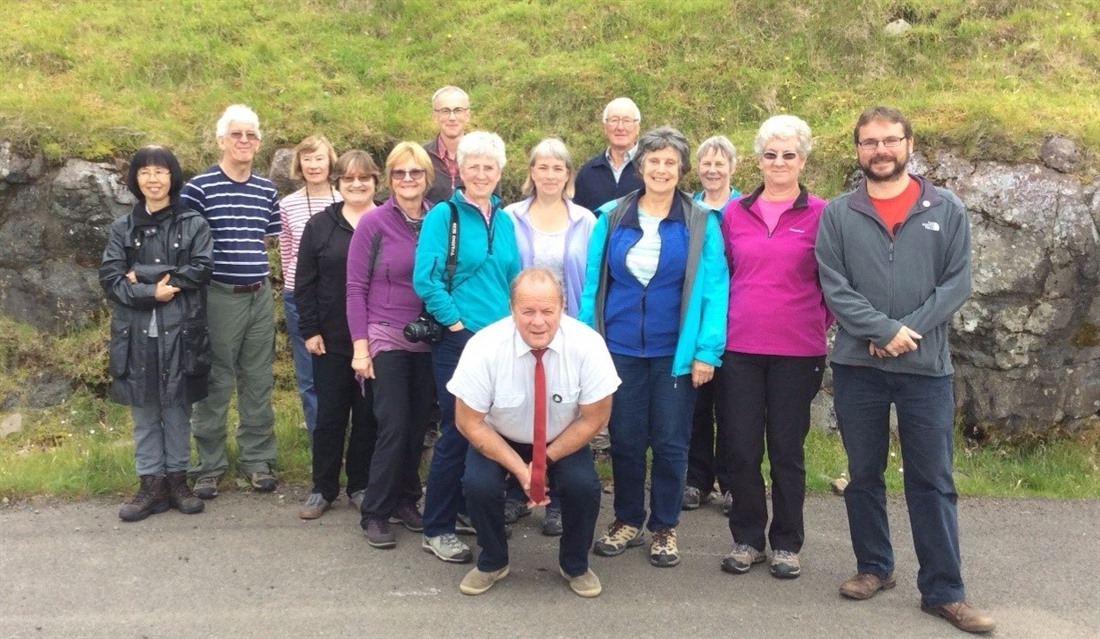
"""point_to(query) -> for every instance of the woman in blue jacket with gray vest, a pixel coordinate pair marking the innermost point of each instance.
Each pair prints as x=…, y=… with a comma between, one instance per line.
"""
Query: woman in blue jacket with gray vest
x=656, y=289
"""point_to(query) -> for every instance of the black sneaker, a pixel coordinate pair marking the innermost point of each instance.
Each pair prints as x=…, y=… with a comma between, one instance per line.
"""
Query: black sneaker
x=408, y=516
x=514, y=509
x=263, y=482
x=378, y=532
x=551, y=524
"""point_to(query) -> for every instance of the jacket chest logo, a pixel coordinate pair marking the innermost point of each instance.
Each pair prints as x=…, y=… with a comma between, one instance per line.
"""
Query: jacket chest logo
x=931, y=226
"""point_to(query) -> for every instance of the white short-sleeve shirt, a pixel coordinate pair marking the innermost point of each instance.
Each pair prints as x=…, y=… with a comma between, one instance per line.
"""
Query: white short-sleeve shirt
x=496, y=376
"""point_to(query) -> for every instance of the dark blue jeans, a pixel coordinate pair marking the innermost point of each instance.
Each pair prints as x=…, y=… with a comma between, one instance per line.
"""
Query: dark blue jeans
x=651, y=410
x=303, y=363
x=443, y=493
x=578, y=489
x=926, y=411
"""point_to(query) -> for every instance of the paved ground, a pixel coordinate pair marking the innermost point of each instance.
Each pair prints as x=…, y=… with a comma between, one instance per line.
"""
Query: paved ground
x=249, y=568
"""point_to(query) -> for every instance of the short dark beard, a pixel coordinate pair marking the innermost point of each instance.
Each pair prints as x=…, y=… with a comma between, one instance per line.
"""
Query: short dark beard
x=899, y=169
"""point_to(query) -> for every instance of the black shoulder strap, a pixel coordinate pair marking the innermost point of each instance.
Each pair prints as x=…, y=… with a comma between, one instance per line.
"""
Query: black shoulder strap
x=375, y=249
x=452, y=247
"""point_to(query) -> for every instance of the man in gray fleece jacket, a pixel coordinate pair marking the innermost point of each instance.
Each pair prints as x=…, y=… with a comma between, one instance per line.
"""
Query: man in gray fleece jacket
x=894, y=262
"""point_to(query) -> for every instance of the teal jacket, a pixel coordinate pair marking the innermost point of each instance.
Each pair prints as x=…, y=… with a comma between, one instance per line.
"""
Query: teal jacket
x=487, y=261
x=705, y=297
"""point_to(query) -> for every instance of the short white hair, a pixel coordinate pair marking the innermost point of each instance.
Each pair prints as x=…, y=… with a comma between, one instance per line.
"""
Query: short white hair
x=481, y=143
x=717, y=144
x=449, y=89
x=237, y=113
x=784, y=127
x=625, y=103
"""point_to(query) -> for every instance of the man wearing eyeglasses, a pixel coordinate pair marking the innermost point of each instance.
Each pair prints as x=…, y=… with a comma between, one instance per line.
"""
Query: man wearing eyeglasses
x=894, y=263
x=451, y=112
x=611, y=174
x=242, y=210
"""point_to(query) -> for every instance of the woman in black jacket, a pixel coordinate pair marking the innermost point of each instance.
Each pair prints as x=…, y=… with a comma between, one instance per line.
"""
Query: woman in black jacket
x=155, y=269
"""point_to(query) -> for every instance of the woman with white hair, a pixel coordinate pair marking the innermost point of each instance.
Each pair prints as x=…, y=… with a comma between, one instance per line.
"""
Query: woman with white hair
x=464, y=290
x=775, y=349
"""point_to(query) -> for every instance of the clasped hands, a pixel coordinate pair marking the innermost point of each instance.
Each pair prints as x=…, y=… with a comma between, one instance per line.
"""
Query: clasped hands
x=904, y=342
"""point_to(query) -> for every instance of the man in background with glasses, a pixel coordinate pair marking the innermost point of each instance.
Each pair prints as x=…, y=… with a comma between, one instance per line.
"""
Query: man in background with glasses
x=242, y=209
x=451, y=112
x=894, y=263
x=611, y=174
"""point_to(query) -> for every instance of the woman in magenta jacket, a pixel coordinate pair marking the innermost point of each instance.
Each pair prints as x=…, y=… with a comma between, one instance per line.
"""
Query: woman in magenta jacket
x=775, y=348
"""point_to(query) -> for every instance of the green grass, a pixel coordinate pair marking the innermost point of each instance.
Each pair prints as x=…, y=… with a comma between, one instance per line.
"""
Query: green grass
x=990, y=78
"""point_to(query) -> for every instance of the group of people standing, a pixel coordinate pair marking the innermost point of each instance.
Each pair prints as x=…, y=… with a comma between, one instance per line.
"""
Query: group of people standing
x=682, y=335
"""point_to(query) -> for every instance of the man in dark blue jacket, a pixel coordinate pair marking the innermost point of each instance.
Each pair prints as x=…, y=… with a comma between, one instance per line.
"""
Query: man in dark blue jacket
x=610, y=174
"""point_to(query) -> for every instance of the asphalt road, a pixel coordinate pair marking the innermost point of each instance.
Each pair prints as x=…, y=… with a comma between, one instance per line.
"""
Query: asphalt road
x=248, y=567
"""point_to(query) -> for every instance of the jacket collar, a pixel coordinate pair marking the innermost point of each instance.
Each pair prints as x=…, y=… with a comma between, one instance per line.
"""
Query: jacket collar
x=927, y=197
x=676, y=212
x=800, y=202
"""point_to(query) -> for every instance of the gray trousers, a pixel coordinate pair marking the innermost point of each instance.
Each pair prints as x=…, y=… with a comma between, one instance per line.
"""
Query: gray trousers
x=242, y=337
x=162, y=438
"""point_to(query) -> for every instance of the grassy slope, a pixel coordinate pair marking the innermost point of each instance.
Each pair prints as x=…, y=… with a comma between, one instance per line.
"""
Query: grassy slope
x=991, y=77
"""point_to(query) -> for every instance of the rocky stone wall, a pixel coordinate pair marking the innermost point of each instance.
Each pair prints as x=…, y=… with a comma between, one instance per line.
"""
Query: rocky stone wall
x=1026, y=345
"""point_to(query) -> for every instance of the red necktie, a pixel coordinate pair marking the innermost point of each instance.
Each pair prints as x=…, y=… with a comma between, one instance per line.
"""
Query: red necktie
x=537, y=492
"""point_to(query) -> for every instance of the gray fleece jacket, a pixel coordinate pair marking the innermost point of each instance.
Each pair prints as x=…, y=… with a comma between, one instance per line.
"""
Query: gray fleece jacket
x=874, y=284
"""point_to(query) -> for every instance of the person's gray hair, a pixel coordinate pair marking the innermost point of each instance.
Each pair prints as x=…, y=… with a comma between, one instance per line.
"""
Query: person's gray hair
x=550, y=148
x=240, y=114
x=449, y=89
x=717, y=144
x=784, y=127
x=534, y=274
x=624, y=103
x=664, y=137
x=481, y=143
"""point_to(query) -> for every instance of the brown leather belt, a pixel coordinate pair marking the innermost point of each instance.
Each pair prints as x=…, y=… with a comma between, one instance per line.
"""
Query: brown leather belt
x=248, y=288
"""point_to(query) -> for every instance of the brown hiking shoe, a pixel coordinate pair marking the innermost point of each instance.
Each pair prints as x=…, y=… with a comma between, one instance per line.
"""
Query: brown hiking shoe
x=864, y=585
x=180, y=496
x=964, y=617
x=151, y=498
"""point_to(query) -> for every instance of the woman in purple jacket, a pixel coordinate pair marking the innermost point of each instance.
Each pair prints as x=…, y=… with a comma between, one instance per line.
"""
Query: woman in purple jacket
x=380, y=302
x=775, y=348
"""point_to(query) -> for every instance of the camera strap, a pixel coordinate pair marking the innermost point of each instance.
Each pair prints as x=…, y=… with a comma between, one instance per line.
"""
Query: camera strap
x=452, y=248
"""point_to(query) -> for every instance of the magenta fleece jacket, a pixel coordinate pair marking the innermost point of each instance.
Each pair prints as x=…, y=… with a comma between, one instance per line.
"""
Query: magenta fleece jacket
x=775, y=305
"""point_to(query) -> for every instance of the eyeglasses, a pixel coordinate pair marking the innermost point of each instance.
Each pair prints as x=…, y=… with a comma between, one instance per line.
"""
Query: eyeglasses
x=250, y=136
x=620, y=121
x=457, y=112
x=350, y=179
x=870, y=144
x=788, y=156
x=402, y=174
x=160, y=174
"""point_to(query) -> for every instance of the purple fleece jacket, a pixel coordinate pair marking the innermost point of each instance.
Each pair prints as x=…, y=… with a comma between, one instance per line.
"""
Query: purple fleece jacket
x=775, y=306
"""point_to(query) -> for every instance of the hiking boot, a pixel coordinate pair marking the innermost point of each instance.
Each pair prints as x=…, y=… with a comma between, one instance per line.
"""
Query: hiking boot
x=864, y=585
x=448, y=547
x=315, y=506
x=727, y=503
x=551, y=524
x=263, y=481
x=355, y=499
x=408, y=516
x=378, y=532
x=586, y=585
x=514, y=509
x=741, y=559
x=663, y=551
x=476, y=582
x=151, y=498
x=785, y=565
x=206, y=487
x=694, y=497
x=463, y=525
x=617, y=539
x=180, y=496
x=964, y=617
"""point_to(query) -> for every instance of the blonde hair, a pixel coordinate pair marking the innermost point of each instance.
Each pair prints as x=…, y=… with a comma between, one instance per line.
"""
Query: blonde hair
x=311, y=145
x=550, y=148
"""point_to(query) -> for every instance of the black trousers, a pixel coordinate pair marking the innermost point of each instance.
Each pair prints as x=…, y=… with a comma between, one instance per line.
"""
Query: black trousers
x=766, y=399
x=338, y=396
x=706, y=452
x=404, y=394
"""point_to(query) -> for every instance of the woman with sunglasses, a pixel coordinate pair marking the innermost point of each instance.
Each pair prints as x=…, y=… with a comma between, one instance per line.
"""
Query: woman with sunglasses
x=775, y=349
x=380, y=302
x=320, y=292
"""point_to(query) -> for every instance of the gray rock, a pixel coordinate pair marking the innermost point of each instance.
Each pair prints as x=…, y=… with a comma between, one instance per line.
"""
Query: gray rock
x=16, y=169
x=1060, y=154
x=898, y=27
x=10, y=424
x=279, y=173
x=48, y=389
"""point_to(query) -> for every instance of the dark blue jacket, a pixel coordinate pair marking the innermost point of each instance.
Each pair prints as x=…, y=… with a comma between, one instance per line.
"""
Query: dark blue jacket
x=596, y=186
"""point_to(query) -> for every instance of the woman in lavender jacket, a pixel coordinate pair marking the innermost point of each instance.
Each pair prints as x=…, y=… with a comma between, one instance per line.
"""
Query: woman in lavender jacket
x=380, y=302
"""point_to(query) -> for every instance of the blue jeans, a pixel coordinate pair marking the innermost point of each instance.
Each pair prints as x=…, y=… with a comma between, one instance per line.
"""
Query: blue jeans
x=443, y=492
x=578, y=489
x=926, y=411
x=651, y=410
x=303, y=363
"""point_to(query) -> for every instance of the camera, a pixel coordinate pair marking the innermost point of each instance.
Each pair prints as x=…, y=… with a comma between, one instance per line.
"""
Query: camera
x=424, y=328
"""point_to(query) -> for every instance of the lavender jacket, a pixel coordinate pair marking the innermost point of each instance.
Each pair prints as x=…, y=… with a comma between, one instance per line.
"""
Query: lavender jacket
x=581, y=222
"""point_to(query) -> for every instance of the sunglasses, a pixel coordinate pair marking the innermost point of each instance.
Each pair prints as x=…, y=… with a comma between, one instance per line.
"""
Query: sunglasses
x=789, y=156
x=412, y=174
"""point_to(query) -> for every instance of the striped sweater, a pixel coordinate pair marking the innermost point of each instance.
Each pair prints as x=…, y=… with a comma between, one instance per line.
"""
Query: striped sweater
x=294, y=211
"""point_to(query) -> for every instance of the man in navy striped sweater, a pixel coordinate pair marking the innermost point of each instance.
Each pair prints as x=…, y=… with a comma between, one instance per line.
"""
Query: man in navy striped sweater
x=242, y=210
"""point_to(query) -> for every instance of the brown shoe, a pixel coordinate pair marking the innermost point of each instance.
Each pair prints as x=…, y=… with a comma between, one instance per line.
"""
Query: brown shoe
x=150, y=499
x=964, y=617
x=864, y=585
x=180, y=496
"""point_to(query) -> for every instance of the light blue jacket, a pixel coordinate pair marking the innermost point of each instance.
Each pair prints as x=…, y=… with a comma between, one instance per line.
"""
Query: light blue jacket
x=581, y=222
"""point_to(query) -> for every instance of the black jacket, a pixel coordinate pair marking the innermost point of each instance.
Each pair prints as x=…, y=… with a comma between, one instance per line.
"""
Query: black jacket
x=320, y=282
x=175, y=241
